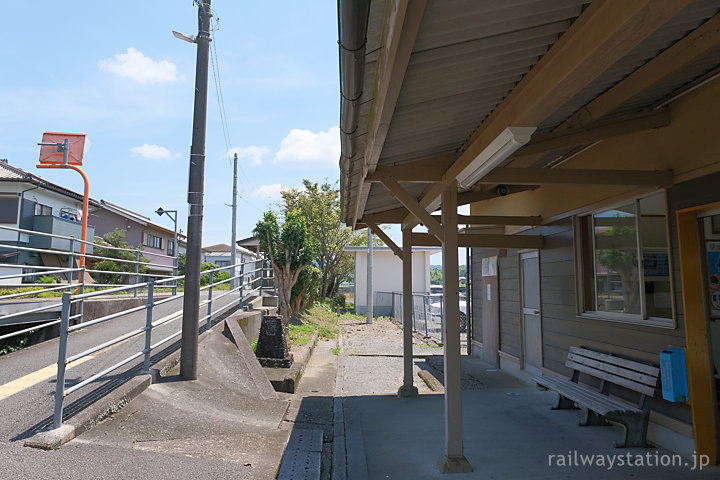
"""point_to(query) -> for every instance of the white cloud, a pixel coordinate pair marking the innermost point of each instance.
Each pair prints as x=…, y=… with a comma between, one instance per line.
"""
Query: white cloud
x=153, y=152
x=268, y=192
x=303, y=148
x=139, y=68
x=253, y=153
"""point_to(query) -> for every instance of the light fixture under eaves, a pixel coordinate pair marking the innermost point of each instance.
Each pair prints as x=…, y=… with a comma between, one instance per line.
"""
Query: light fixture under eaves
x=495, y=153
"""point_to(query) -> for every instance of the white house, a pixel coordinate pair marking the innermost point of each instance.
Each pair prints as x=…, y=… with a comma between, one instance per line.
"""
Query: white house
x=30, y=202
x=387, y=276
x=220, y=255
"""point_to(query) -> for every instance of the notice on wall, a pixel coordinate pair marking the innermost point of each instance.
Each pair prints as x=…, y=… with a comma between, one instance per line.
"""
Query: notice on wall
x=489, y=267
x=713, y=269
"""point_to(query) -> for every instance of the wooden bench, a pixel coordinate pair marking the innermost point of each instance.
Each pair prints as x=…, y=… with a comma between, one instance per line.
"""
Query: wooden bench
x=609, y=369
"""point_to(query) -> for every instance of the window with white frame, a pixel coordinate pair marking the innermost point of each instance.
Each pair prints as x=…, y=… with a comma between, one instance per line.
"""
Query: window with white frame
x=171, y=248
x=152, y=241
x=41, y=209
x=624, y=262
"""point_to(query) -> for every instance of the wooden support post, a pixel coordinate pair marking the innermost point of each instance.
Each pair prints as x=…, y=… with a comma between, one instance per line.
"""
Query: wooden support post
x=700, y=375
x=407, y=389
x=454, y=460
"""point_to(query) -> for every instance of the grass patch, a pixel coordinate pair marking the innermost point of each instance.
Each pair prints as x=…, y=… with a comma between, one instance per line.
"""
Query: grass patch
x=253, y=345
x=336, y=351
x=300, y=334
x=321, y=318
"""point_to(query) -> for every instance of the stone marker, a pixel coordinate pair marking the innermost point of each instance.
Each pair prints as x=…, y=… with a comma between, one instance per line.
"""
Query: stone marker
x=272, y=349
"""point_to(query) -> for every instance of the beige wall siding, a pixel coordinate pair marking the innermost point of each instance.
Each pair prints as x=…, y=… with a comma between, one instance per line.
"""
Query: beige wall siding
x=477, y=294
x=509, y=304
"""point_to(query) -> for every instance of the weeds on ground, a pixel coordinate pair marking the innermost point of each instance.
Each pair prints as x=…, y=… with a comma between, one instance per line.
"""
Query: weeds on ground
x=15, y=344
x=321, y=318
x=336, y=351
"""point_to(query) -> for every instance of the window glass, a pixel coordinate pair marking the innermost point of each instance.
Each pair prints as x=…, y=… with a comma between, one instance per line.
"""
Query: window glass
x=616, y=260
x=8, y=210
x=656, y=261
x=625, y=260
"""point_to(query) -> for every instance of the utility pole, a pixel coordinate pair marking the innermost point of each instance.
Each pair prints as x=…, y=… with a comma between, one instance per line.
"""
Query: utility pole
x=196, y=186
x=233, y=246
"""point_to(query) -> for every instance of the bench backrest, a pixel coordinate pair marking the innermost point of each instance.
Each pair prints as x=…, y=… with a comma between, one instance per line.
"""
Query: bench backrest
x=636, y=376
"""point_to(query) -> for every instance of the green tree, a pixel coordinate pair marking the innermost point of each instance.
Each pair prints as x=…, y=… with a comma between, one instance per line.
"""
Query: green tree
x=320, y=205
x=623, y=261
x=436, y=276
x=289, y=250
x=116, y=239
x=307, y=288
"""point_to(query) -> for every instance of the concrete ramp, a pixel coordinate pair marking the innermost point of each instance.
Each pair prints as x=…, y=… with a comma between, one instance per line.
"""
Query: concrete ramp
x=221, y=420
x=248, y=360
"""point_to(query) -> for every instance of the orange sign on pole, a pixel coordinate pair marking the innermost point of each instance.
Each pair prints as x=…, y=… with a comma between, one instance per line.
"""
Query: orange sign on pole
x=52, y=150
x=65, y=150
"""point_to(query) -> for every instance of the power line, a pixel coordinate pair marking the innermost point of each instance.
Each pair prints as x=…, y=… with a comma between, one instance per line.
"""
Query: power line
x=218, y=89
x=219, y=94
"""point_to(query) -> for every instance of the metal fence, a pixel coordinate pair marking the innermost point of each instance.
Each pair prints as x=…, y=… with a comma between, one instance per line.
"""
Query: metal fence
x=427, y=315
x=26, y=284
x=235, y=286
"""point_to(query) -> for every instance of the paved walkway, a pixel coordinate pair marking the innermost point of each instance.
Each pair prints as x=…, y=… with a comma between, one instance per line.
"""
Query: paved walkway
x=510, y=432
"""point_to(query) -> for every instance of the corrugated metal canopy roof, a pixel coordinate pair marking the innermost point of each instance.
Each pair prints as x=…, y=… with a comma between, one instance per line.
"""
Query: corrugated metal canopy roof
x=468, y=56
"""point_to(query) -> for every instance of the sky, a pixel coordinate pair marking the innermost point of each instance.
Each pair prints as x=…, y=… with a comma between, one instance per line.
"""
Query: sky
x=114, y=71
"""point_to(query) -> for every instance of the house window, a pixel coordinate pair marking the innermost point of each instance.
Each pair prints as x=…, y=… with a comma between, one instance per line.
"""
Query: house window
x=625, y=262
x=41, y=209
x=171, y=248
x=8, y=210
x=150, y=240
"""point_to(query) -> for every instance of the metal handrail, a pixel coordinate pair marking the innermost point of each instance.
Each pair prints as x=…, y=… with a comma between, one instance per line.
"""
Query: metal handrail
x=150, y=325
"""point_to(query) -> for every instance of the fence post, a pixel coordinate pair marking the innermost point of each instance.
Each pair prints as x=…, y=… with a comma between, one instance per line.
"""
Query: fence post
x=209, y=309
x=427, y=301
x=148, y=325
x=137, y=272
x=442, y=319
x=62, y=356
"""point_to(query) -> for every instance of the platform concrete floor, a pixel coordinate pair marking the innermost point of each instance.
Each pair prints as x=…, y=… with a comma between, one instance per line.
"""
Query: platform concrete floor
x=510, y=432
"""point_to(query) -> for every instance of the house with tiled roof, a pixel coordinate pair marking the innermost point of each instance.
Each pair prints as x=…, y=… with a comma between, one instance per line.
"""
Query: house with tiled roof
x=31, y=203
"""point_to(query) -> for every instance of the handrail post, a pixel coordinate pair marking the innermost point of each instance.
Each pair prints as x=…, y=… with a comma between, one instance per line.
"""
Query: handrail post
x=71, y=255
x=71, y=260
x=148, y=325
x=242, y=283
x=209, y=308
x=82, y=290
x=262, y=275
x=175, y=272
x=137, y=272
x=62, y=358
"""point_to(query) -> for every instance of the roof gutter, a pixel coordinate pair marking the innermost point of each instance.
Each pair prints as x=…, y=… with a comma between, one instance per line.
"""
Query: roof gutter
x=352, y=38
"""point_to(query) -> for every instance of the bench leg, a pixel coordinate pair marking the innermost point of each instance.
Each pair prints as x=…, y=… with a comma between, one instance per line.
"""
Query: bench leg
x=593, y=419
x=635, y=432
x=564, y=404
